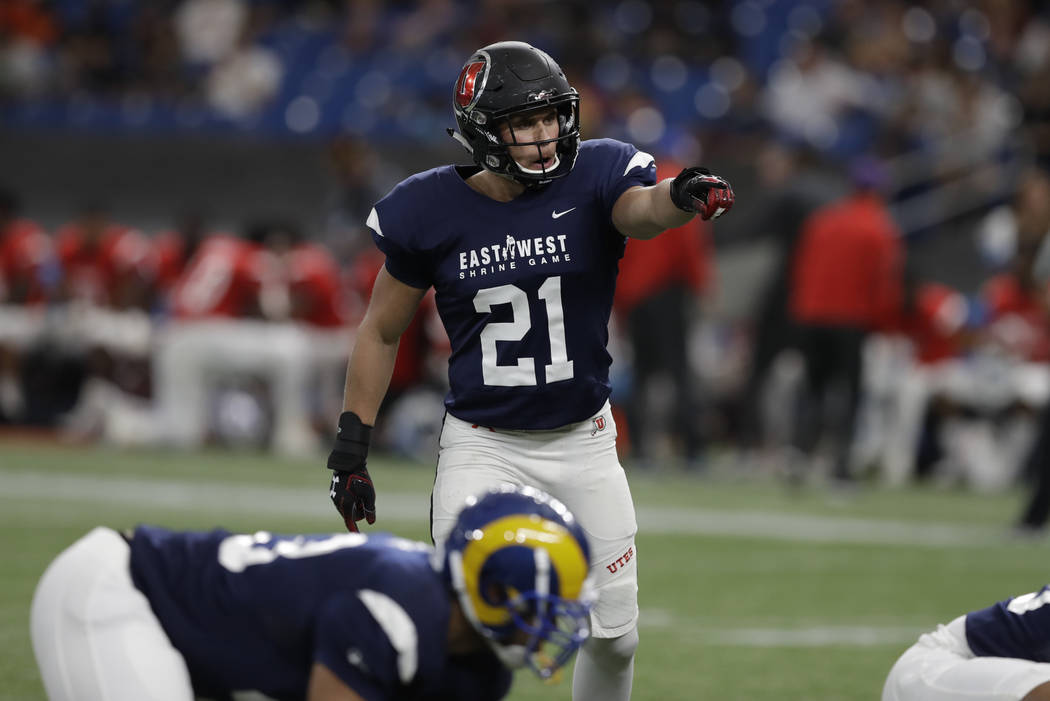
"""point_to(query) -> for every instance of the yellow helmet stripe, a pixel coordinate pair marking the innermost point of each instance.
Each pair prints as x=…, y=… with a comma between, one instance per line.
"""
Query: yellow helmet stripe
x=531, y=531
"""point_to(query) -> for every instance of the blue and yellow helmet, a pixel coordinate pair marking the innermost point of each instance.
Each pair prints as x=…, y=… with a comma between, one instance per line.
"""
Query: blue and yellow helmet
x=518, y=561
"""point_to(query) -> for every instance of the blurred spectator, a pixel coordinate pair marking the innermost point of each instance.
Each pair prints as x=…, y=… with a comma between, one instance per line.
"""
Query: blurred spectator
x=793, y=185
x=172, y=250
x=934, y=320
x=1025, y=218
x=218, y=281
x=810, y=93
x=1036, y=511
x=419, y=376
x=1035, y=97
x=845, y=283
x=1017, y=307
x=979, y=424
x=301, y=283
x=26, y=274
x=245, y=80
x=209, y=30
x=107, y=278
x=28, y=269
x=362, y=177
x=658, y=304
x=298, y=280
x=956, y=94
x=258, y=322
x=1008, y=376
x=27, y=32
x=104, y=263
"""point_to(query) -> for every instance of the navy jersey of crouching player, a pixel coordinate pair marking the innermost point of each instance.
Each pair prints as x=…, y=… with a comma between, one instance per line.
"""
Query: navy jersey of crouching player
x=246, y=610
x=524, y=287
x=1017, y=627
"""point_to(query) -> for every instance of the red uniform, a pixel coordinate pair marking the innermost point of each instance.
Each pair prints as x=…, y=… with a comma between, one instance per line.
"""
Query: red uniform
x=221, y=280
x=25, y=253
x=108, y=271
x=846, y=269
x=681, y=255
x=1018, y=317
x=315, y=286
x=935, y=323
x=422, y=335
x=169, y=260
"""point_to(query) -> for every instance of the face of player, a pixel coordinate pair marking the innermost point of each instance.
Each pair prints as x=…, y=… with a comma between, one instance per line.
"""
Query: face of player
x=526, y=127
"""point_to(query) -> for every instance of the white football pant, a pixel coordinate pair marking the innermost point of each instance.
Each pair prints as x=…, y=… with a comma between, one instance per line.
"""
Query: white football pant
x=941, y=667
x=94, y=634
x=578, y=465
x=191, y=356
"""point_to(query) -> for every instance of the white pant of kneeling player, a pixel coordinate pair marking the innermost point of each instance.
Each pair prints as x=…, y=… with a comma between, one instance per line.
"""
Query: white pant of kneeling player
x=190, y=359
x=987, y=456
x=191, y=356
x=94, y=634
x=942, y=667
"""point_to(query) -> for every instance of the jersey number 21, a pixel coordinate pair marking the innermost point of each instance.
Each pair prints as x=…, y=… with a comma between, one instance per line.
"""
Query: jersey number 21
x=524, y=372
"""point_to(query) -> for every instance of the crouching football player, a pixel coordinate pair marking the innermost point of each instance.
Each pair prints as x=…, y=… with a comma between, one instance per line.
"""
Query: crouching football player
x=162, y=615
x=999, y=653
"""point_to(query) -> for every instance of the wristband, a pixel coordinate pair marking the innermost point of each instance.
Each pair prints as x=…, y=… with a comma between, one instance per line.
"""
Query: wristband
x=350, y=447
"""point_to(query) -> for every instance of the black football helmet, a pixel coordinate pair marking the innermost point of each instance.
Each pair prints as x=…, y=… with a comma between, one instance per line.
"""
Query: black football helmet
x=503, y=79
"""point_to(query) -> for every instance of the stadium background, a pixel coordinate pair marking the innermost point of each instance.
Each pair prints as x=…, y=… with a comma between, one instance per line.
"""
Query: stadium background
x=248, y=111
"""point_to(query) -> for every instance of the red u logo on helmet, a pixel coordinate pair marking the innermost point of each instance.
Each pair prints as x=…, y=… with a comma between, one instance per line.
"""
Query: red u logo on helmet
x=468, y=89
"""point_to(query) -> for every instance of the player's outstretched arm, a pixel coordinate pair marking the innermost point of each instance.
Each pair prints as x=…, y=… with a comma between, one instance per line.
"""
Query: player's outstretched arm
x=390, y=310
x=325, y=686
x=644, y=212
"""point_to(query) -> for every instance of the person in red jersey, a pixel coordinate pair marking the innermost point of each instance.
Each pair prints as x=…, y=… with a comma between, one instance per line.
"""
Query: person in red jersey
x=301, y=286
x=299, y=280
x=27, y=257
x=657, y=301
x=937, y=323
x=219, y=281
x=269, y=306
x=845, y=283
x=104, y=264
x=171, y=251
x=27, y=271
x=412, y=407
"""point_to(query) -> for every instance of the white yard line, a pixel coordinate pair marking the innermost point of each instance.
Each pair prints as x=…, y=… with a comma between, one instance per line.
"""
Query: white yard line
x=814, y=635
x=403, y=506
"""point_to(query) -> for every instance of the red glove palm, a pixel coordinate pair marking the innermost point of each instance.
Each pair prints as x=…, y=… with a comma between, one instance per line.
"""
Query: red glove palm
x=698, y=190
x=354, y=497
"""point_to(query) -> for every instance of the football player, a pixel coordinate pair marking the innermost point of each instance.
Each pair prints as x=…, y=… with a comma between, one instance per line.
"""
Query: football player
x=220, y=306
x=104, y=263
x=1000, y=653
x=28, y=271
x=522, y=249
x=165, y=615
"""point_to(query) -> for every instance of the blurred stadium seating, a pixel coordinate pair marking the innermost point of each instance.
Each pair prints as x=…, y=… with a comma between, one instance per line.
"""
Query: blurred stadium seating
x=299, y=114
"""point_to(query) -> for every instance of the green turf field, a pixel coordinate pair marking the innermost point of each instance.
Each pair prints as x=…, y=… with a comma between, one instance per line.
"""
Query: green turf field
x=748, y=591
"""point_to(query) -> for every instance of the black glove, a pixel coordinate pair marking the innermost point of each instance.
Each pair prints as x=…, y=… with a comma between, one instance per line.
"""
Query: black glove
x=352, y=491
x=697, y=190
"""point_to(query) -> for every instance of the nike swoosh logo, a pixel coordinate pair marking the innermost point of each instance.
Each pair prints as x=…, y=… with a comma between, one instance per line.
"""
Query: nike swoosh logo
x=555, y=214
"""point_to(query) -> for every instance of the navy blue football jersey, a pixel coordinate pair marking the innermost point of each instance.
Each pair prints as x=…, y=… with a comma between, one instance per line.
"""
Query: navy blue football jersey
x=524, y=288
x=254, y=612
x=1018, y=627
